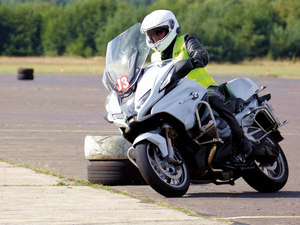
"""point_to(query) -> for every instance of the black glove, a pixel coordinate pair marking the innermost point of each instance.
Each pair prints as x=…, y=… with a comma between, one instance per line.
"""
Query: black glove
x=197, y=62
x=182, y=68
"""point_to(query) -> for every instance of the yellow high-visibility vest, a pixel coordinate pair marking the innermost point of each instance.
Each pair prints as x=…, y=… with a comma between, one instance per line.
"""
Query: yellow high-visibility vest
x=199, y=75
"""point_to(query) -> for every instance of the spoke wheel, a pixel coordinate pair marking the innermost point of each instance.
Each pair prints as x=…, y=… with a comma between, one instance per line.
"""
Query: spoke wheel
x=268, y=177
x=168, y=179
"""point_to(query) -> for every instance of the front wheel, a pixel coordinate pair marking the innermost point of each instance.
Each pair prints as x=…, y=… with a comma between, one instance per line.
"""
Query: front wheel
x=168, y=179
x=267, y=177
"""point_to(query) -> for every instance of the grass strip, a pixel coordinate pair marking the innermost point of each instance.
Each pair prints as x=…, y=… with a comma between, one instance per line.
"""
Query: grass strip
x=53, y=65
x=95, y=65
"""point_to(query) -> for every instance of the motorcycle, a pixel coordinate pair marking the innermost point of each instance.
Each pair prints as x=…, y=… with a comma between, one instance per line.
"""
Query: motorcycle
x=177, y=138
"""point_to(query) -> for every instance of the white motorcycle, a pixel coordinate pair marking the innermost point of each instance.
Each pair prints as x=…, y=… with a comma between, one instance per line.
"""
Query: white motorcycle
x=177, y=138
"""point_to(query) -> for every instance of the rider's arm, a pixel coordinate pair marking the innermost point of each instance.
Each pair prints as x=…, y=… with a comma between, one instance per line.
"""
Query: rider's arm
x=198, y=58
x=198, y=54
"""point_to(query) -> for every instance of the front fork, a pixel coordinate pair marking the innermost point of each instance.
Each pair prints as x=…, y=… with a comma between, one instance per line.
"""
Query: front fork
x=169, y=135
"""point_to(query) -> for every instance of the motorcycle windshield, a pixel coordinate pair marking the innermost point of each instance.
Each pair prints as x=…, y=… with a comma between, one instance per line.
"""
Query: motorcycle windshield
x=125, y=56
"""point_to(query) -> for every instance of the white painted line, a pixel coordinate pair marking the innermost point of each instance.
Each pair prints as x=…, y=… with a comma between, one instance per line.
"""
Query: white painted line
x=59, y=131
x=98, y=131
x=260, y=217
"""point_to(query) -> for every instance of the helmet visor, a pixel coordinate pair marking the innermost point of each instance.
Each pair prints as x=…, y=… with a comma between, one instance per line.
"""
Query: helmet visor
x=158, y=32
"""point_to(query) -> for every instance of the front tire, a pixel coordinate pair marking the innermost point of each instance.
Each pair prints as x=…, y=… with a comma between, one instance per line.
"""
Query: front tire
x=269, y=178
x=168, y=179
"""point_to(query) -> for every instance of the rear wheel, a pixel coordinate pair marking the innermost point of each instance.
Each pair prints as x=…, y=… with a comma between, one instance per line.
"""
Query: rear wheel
x=269, y=177
x=168, y=179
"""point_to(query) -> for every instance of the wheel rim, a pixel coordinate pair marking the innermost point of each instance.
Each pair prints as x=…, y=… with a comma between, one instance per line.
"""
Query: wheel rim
x=171, y=174
x=275, y=171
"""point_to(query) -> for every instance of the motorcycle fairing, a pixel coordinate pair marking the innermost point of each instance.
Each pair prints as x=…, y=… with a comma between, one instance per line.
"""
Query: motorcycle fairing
x=181, y=103
x=148, y=89
x=242, y=88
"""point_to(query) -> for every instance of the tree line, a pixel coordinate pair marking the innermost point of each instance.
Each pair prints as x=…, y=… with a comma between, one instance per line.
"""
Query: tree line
x=231, y=30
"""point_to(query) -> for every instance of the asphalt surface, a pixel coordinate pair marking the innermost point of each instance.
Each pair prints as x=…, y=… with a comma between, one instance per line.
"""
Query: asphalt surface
x=44, y=122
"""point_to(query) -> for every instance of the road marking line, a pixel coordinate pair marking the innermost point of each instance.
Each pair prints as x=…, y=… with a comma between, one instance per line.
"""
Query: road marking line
x=176, y=218
x=98, y=131
x=290, y=134
x=260, y=217
x=58, y=131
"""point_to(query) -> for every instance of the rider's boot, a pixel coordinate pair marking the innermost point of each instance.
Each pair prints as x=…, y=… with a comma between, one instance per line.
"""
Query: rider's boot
x=244, y=151
x=245, y=146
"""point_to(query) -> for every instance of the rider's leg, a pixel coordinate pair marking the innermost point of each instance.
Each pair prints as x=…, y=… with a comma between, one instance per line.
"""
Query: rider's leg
x=216, y=100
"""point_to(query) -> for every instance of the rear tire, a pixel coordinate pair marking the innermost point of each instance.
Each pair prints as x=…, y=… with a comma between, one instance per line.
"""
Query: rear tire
x=113, y=172
x=269, y=178
x=166, y=178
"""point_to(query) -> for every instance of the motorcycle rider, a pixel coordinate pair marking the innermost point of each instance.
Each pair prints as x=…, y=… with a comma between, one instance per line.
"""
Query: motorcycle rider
x=162, y=30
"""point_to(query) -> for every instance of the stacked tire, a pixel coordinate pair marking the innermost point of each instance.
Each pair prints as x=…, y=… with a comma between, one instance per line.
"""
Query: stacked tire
x=114, y=172
x=25, y=74
x=108, y=163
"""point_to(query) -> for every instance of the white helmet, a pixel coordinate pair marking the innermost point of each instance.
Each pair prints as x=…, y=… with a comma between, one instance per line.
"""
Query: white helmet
x=160, y=19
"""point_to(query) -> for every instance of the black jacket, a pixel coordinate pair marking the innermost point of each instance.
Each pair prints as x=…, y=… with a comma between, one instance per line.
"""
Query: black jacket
x=197, y=53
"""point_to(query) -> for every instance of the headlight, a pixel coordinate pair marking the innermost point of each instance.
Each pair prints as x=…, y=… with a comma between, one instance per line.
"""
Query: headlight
x=166, y=81
x=128, y=107
x=143, y=99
